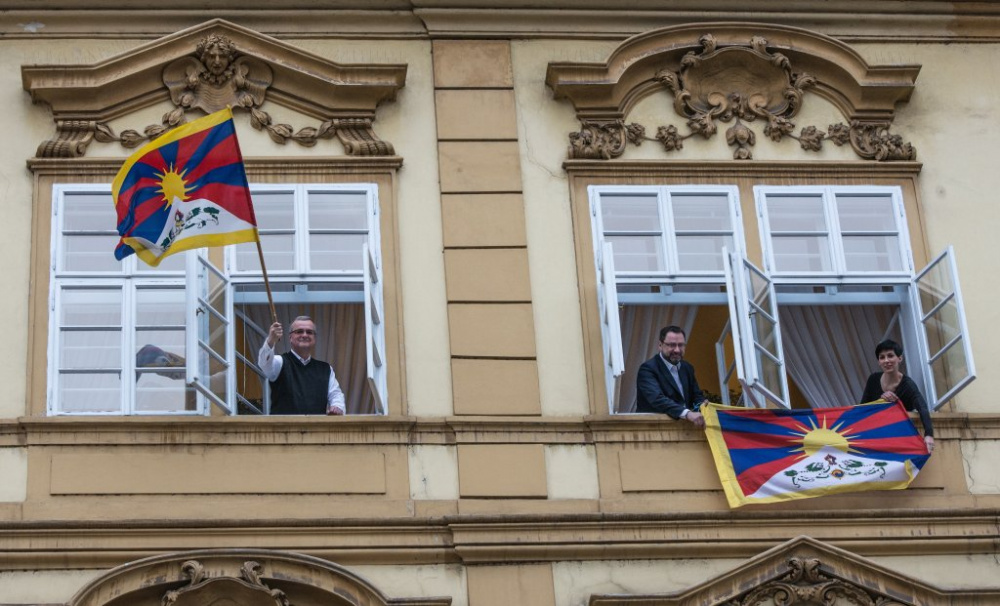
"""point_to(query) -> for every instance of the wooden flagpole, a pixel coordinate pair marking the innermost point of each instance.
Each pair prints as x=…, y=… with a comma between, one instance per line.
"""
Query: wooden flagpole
x=267, y=284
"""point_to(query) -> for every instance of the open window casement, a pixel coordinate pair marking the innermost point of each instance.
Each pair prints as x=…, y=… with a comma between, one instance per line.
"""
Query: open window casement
x=947, y=352
x=611, y=331
x=375, y=328
x=210, y=332
x=753, y=310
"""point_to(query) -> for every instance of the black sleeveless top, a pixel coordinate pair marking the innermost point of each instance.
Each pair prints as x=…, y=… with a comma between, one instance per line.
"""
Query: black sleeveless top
x=300, y=389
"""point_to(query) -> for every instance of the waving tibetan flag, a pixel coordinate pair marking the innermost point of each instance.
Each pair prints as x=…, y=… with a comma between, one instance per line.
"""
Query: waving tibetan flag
x=186, y=189
x=767, y=456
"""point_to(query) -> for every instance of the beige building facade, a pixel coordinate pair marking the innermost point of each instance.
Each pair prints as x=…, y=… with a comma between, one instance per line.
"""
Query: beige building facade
x=435, y=183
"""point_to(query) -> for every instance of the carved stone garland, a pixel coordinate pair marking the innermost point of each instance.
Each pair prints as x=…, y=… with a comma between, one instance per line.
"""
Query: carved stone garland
x=201, y=589
x=737, y=84
x=807, y=584
x=214, y=79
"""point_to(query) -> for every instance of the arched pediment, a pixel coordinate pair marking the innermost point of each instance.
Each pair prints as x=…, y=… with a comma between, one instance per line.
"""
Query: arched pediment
x=807, y=572
x=206, y=68
x=734, y=72
x=223, y=577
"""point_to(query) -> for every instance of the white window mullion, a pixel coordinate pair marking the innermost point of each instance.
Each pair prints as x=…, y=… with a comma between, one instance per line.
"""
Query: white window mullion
x=129, y=317
x=835, y=235
x=302, y=243
x=668, y=239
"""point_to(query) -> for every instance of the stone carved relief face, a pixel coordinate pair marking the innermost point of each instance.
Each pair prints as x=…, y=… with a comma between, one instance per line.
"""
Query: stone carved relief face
x=216, y=53
x=216, y=59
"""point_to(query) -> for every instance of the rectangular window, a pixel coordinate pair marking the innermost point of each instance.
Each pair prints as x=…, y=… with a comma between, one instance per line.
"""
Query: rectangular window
x=838, y=278
x=834, y=232
x=667, y=232
x=119, y=335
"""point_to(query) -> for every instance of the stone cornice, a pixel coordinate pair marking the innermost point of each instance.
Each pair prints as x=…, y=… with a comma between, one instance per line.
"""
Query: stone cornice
x=919, y=21
x=106, y=168
x=506, y=539
x=403, y=431
x=726, y=169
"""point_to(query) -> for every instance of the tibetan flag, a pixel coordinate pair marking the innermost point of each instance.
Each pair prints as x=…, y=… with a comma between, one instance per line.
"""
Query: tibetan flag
x=769, y=456
x=185, y=189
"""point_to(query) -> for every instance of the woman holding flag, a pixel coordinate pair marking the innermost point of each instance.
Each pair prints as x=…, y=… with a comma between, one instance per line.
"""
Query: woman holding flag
x=891, y=385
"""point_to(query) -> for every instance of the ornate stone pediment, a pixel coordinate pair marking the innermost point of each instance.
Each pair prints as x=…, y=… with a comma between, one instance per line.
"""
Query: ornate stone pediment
x=734, y=74
x=807, y=572
x=231, y=577
x=207, y=68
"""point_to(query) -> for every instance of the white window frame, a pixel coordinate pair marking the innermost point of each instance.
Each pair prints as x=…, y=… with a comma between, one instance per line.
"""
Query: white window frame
x=904, y=283
x=368, y=278
x=838, y=270
x=608, y=279
x=132, y=275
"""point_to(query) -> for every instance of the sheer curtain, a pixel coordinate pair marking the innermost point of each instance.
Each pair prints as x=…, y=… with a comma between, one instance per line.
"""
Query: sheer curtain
x=641, y=326
x=340, y=340
x=829, y=349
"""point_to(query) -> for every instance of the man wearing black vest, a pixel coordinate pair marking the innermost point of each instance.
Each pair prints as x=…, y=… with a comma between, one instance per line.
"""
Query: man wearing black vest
x=300, y=384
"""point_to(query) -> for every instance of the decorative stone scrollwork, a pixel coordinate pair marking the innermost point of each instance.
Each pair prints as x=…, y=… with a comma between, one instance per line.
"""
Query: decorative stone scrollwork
x=731, y=81
x=71, y=141
x=873, y=141
x=208, y=68
x=219, y=77
x=604, y=139
x=807, y=584
x=249, y=590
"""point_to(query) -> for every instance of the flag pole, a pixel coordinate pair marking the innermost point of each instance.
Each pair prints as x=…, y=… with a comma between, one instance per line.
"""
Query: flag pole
x=267, y=284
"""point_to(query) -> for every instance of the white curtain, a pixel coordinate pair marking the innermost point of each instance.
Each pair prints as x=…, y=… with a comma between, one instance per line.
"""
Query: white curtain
x=341, y=340
x=641, y=325
x=830, y=349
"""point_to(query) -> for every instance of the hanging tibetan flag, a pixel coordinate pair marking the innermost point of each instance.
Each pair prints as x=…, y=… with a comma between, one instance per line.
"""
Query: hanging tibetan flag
x=768, y=456
x=185, y=189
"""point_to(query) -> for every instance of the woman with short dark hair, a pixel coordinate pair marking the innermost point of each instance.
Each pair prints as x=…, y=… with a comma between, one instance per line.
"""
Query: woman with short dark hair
x=891, y=384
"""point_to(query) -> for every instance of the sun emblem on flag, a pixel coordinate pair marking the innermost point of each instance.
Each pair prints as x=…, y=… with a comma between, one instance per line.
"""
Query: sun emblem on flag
x=814, y=439
x=172, y=185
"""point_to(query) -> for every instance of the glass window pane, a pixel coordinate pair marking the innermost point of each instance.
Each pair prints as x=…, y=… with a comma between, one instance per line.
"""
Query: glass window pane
x=942, y=326
x=801, y=253
x=866, y=212
x=274, y=210
x=89, y=212
x=215, y=370
x=279, y=253
x=172, y=263
x=98, y=307
x=90, y=392
x=338, y=210
x=159, y=307
x=89, y=253
x=159, y=348
x=630, y=213
x=163, y=391
x=637, y=253
x=934, y=286
x=701, y=212
x=702, y=253
x=872, y=253
x=336, y=252
x=796, y=213
x=90, y=349
x=950, y=369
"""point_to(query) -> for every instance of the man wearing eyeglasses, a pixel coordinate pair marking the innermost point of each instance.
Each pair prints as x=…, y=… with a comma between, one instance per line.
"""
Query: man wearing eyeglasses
x=666, y=382
x=300, y=384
